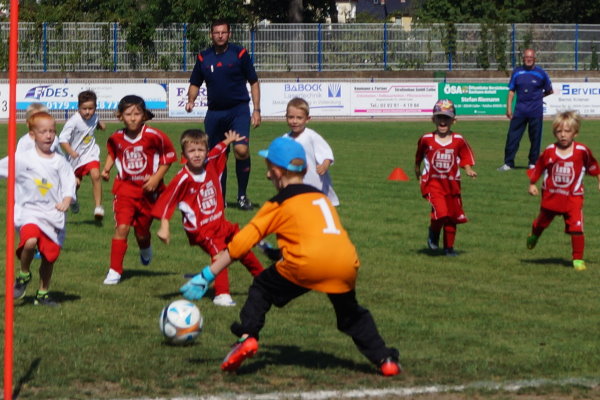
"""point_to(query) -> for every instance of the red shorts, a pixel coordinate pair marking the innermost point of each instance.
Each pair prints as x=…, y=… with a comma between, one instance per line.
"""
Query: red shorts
x=134, y=212
x=49, y=249
x=85, y=169
x=573, y=219
x=217, y=241
x=446, y=206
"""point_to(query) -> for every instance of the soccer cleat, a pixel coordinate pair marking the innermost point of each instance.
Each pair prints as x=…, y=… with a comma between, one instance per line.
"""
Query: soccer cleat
x=99, y=213
x=390, y=367
x=433, y=240
x=242, y=349
x=37, y=255
x=44, y=299
x=224, y=300
x=21, y=285
x=532, y=241
x=244, y=203
x=75, y=207
x=579, y=265
x=112, y=278
x=504, y=168
x=146, y=256
x=449, y=251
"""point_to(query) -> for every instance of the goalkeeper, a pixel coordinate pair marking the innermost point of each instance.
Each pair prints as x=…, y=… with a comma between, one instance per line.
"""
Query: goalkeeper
x=317, y=254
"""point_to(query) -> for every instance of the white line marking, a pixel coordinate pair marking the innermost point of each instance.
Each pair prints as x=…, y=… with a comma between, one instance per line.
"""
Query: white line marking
x=511, y=386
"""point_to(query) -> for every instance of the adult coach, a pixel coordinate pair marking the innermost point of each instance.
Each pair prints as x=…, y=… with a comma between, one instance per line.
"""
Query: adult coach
x=531, y=84
x=226, y=67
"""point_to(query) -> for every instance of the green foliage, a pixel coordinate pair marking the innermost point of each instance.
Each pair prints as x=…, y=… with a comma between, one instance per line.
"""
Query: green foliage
x=496, y=313
x=483, y=48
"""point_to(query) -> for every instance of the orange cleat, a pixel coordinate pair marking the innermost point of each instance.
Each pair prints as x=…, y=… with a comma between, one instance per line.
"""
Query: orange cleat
x=242, y=349
x=389, y=367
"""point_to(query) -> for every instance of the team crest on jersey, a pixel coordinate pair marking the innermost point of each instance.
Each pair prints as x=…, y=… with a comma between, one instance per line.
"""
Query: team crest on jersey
x=208, y=195
x=134, y=160
x=563, y=174
x=87, y=139
x=443, y=160
x=43, y=186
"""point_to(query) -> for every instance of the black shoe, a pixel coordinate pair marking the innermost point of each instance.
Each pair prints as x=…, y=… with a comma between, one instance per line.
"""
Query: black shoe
x=45, y=300
x=433, y=239
x=450, y=252
x=244, y=203
x=20, y=286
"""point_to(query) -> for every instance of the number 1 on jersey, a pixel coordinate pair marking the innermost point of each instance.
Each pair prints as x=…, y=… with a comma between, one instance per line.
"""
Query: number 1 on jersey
x=329, y=222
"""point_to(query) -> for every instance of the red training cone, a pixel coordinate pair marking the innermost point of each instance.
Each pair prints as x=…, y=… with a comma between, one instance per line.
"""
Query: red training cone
x=398, y=175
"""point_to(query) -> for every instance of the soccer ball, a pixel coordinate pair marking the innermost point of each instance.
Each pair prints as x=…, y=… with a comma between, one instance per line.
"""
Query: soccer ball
x=181, y=322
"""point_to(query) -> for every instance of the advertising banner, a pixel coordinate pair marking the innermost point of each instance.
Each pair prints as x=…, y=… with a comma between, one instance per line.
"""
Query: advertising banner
x=178, y=99
x=393, y=99
x=64, y=96
x=476, y=98
x=324, y=98
x=4, y=101
x=583, y=97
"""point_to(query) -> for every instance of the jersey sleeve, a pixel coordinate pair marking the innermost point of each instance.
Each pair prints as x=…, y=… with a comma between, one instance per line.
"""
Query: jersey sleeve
x=168, y=153
x=111, y=148
x=591, y=164
x=247, y=66
x=197, y=77
x=68, y=182
x=4, y=167
x=257, y=228
x=67, y=132
x=420, y=154
x=466, y=154
x=322, y=149
x=217, y=157
x=167, y=201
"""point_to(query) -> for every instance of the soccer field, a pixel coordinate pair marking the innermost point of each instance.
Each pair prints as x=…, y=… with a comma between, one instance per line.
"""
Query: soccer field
x=496, y=313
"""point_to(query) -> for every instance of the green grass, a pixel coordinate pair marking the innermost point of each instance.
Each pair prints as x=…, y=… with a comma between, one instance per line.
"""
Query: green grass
x=497, y=312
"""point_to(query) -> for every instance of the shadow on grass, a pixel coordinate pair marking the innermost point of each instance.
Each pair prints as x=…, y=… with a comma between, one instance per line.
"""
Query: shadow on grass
x=437, y=253
x=26, y=378
x=546, y=261
x=131, y=273
x=294, y=356
x=60, y=297
x=92, y=221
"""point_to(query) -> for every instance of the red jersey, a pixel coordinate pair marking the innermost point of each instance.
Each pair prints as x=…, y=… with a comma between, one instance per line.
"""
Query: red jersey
x=198, y=197
x=563, y=175
x=138, y=159
x=442, y=162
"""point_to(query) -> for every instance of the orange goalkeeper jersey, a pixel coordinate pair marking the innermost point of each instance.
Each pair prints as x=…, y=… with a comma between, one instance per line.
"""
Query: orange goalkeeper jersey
x=316, y=250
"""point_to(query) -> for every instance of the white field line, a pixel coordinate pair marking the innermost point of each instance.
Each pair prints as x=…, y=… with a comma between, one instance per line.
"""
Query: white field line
x=512, y=386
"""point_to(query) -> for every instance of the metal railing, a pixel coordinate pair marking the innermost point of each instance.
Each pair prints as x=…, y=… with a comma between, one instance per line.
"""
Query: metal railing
x=92, y=47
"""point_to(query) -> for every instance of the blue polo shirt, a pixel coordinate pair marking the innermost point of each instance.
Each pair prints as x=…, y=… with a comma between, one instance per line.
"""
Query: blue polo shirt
x=530, y=86
x=225, y=75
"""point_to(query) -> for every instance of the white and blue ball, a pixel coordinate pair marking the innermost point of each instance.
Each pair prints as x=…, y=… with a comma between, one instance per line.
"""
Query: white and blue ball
x=181, y=322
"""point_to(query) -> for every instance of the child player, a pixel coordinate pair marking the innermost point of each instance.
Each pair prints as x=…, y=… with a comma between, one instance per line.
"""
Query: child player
x=196, y=191
x=319, y=156
x=564, y=164
x=26, y=142
x=79, y=143
x=142, y=155
x=443, y=152
x=45, y=186
x=317, y=255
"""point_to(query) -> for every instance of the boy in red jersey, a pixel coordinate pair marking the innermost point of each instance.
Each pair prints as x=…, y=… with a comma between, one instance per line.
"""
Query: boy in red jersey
x=142, y=156
x=443, y=153
x=196, y=191
x=317, y=254
x=564, y=164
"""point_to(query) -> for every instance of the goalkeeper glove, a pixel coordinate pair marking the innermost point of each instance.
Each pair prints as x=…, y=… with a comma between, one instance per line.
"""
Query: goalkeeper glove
x=196, y=287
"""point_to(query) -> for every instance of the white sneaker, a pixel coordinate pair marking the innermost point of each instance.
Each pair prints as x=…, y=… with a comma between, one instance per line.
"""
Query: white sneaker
x=146, y=256
x=99, y=213
x=531, y=166
x=224, y=300
x=504, y=167
x=112, y=278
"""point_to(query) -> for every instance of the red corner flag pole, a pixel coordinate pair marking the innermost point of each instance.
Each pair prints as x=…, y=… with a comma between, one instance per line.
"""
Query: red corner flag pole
x=10, y=199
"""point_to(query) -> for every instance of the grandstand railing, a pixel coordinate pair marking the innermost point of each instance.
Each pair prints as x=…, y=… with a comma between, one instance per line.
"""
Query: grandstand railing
x=82, y=47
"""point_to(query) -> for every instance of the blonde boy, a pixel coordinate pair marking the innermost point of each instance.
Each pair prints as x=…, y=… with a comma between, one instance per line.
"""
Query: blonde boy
x=45, y=186
x=563, y=164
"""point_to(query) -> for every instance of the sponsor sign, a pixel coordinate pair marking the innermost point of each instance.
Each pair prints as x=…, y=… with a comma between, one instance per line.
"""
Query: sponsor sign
x=324, y=98
x=583, y=97
x=393, y=99
x=476, y=98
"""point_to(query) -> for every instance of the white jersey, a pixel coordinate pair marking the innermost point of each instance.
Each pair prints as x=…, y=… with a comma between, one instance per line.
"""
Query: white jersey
x=26, y=143
x=40, y=184
x=317, y=150
x=79, y=133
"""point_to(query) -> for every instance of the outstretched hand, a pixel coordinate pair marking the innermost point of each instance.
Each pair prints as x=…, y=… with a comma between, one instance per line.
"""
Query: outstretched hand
x=196, y=287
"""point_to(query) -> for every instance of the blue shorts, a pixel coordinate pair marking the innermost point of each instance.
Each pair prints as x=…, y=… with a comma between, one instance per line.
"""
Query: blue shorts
x=217, y=122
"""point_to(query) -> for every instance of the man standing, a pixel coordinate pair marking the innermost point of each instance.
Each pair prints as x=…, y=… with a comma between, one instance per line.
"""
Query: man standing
x=531, y=84
x=226, y=67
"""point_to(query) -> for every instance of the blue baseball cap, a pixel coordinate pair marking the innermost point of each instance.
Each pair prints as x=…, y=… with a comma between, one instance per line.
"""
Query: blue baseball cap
x=282, y=151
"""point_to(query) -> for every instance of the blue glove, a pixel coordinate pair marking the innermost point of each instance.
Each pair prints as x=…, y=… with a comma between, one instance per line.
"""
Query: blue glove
x=196, y=287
